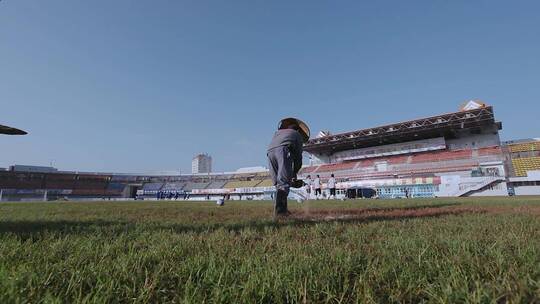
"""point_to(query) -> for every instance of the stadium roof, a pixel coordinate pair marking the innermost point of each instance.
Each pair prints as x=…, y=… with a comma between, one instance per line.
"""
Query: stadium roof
x=446, y=125
x=11, y=131
x=520, y=141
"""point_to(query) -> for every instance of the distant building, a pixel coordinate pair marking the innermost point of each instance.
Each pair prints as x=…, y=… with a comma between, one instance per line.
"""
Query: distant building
x=201, y=163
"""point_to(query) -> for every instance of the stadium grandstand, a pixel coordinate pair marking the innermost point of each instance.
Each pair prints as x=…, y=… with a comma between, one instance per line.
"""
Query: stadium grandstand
x=45, y=183
x=447, y=155
x=455, y=154
x=523, y=163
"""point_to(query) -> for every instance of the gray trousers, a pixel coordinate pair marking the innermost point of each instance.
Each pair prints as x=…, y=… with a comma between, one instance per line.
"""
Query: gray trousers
x=281, y=167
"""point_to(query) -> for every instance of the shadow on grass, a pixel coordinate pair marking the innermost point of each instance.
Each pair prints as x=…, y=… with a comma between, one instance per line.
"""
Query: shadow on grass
x=383, y=208
x=39, y=229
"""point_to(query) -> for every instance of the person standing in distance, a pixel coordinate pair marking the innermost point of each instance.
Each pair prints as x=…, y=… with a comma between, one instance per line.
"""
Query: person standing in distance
x=285, y=159
x=317, y=186
x=332, y=187
x=308, y=186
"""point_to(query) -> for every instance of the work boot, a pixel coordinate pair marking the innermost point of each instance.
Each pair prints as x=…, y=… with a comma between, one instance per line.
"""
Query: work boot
x=280, y=203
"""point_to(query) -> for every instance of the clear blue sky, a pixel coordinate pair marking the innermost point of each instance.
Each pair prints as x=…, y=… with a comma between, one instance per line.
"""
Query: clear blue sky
x=141, y=86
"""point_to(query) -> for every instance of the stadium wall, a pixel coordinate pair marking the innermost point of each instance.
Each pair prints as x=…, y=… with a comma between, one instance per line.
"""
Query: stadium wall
x=527, y=189
x=469, y=140
x=528, y=185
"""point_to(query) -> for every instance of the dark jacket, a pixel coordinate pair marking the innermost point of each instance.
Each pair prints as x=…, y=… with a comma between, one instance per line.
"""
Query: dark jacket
x=293, y=140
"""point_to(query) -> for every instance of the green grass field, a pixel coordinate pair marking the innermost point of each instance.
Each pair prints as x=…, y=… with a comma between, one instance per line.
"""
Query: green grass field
x=369, y=251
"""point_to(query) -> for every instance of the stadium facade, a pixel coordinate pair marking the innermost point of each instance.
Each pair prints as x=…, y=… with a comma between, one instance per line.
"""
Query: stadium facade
x=447, y=155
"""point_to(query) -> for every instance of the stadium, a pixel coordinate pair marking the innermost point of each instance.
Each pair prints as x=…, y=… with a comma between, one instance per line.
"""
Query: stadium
x=448, y=155
x=269, y=152
x=397, y=230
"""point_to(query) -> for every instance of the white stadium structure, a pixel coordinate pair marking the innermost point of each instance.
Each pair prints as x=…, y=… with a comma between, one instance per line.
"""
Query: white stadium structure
x=447, y=155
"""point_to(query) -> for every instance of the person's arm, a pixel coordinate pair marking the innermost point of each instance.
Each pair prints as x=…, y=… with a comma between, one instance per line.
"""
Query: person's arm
x=296, y=154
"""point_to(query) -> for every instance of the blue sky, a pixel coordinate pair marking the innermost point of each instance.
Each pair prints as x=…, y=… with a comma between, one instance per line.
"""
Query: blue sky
x=142, y=86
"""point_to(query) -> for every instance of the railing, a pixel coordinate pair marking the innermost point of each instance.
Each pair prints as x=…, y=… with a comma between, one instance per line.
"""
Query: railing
x=469, y=186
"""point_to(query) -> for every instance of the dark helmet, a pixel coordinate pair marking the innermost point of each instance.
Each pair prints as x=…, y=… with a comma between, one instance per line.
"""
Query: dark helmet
x=302, y=127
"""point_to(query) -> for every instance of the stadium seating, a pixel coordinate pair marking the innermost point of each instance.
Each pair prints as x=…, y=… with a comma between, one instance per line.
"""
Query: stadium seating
x=10, y=180
x=90, y=185
x=468, y=167
x=265, y=183
x=60, y=181
x=241, y=184
x=489, y=151
x=173, y=186
x=116, y=186
x=244, y=176
x=369, y=162
x=91, y=182
x=113, y=193
x=216, y=185
x=398, y=160
x=522, y=165
x=392, y=174
x=124, y=178
x=525, y=147
x=308, y=170
x=152, y=186
x=115, y=189
x=89, y=192
x=192, y=185
x=427, y=161
x=336, y=167
x=441, y=156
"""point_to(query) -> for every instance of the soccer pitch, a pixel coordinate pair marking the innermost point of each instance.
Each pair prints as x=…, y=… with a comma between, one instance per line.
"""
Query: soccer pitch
x=477, y=250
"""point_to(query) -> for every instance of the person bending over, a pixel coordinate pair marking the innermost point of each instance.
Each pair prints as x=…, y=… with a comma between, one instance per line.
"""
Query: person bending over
x=285, y=159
